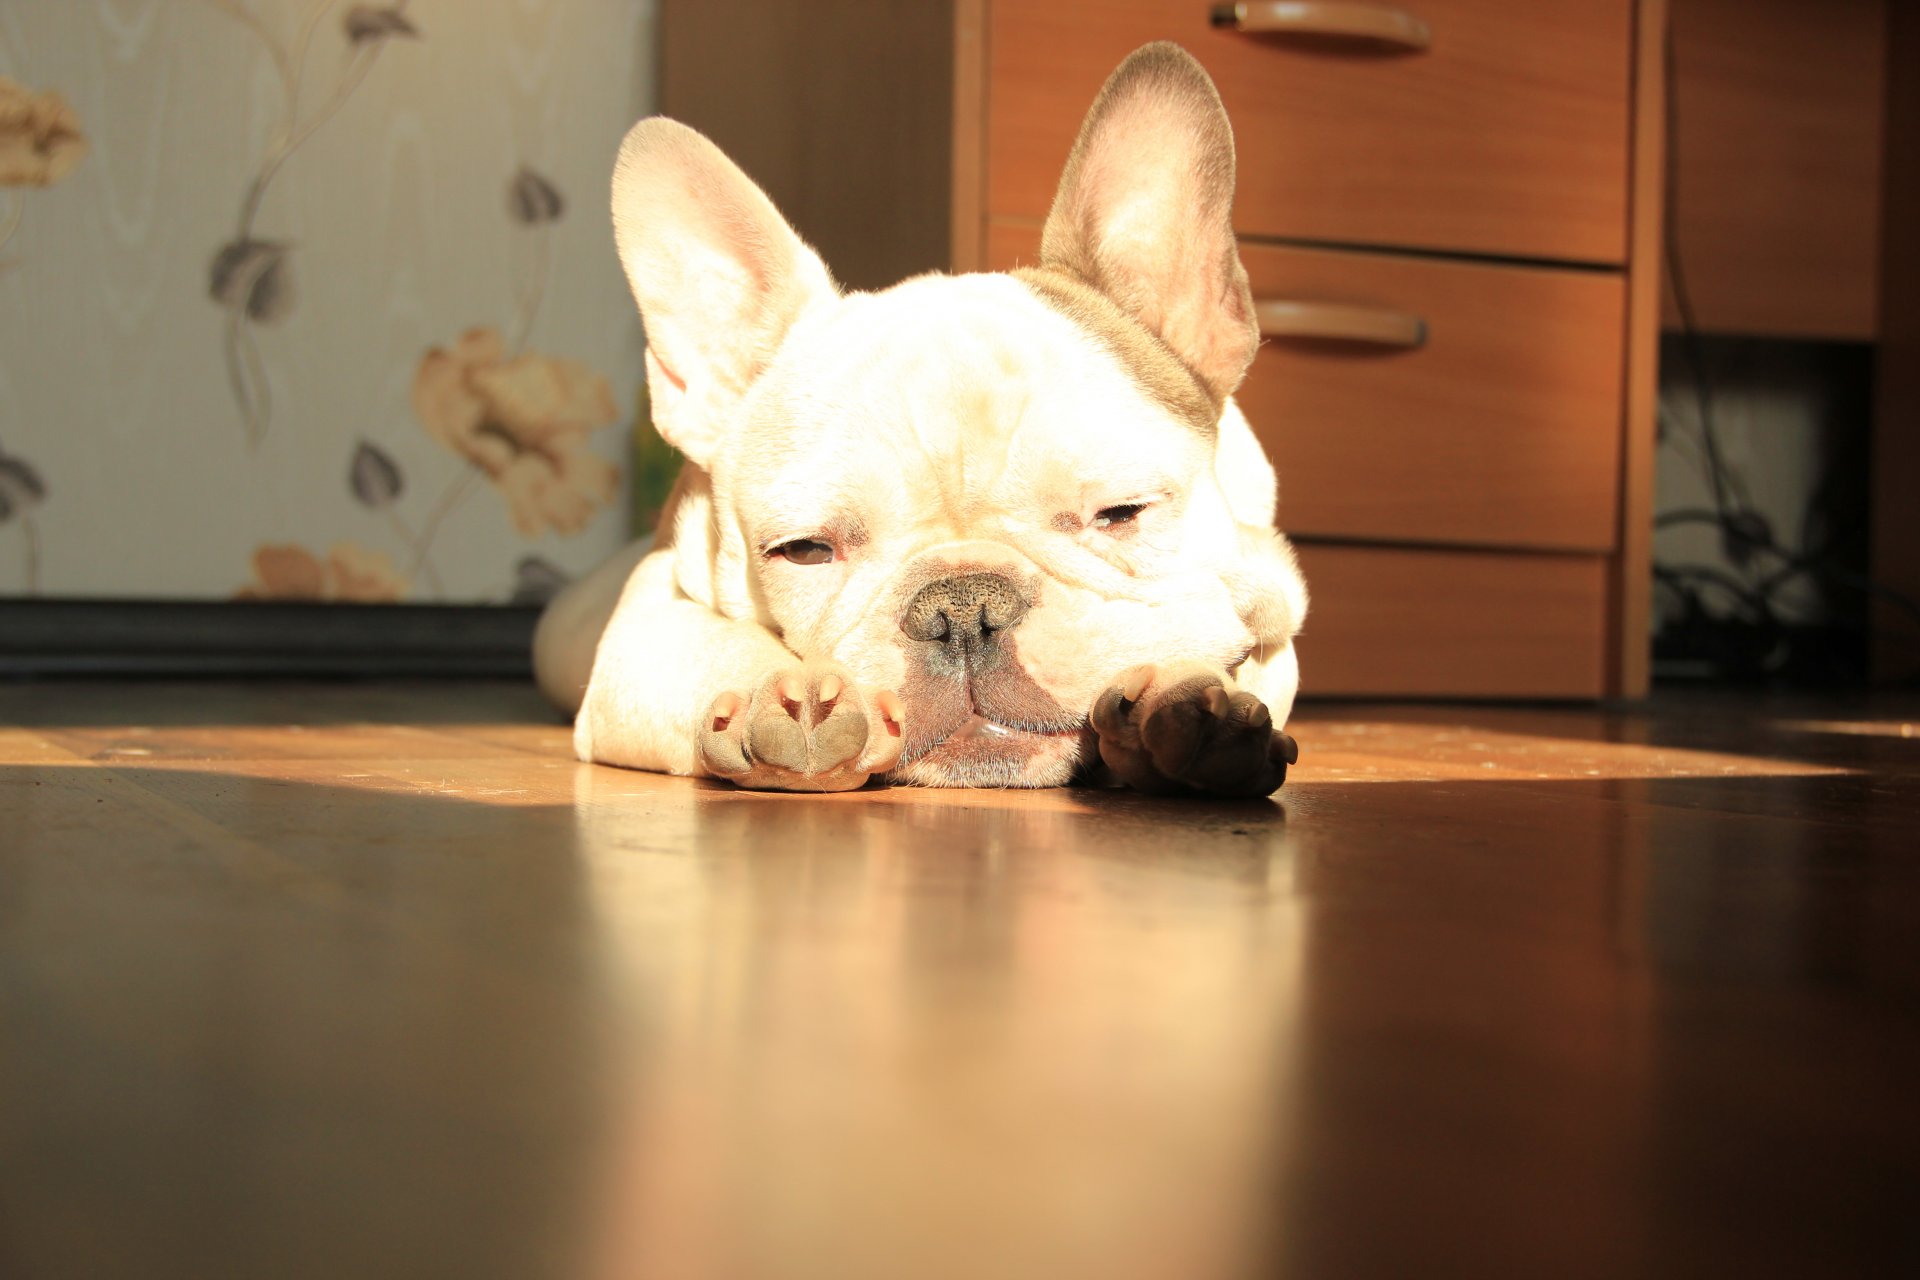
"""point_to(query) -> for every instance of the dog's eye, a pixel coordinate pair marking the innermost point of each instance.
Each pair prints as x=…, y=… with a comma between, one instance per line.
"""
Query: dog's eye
x=804, y=551
x=1125, y=513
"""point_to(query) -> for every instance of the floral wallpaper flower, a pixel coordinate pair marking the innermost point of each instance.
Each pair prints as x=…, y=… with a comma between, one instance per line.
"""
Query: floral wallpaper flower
x=413, y=355
x=350, y=572
x=40, y=143
x=40, y=138
x=523, y=420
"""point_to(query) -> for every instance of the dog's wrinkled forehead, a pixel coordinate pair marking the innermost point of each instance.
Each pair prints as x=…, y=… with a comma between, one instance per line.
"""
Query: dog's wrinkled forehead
x=978, y=370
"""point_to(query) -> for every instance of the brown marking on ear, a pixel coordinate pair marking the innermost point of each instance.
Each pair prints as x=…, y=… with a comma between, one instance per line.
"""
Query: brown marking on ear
x=1148, y=360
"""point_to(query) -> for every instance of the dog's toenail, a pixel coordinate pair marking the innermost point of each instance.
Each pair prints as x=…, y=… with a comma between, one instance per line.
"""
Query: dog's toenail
x=1136, y=684
x=1289, y=749
x=1217, y=701
x=829, y=688
x=791, y=690
x=725, y=708
x=891, y=709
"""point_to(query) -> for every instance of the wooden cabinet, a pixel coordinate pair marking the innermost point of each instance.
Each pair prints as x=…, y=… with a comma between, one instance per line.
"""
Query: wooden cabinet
x=1472, y=506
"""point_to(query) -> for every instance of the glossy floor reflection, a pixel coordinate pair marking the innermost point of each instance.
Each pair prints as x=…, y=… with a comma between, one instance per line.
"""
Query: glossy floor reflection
x=311, y=980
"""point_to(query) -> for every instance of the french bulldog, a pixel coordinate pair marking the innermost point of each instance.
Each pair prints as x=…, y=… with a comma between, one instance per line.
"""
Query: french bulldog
x=978, y=530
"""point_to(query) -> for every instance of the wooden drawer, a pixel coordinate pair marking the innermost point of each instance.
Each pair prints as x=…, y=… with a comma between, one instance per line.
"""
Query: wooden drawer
x=1508, y=135
x=1389, y=621
x=1504, y=429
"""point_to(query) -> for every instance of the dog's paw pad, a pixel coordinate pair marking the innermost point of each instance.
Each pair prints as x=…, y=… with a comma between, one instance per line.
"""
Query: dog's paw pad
x=1169, y=730
x=1213, y=741
x=841, y=737
x=776, y=737
x=808, y=729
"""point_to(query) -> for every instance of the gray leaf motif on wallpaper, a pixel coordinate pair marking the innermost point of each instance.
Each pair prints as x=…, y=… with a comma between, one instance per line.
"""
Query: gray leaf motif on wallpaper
x=254, y=276
x=376, y=22
x=374, y=476
x=537, y=580
x=21, y=487
x=532, y=200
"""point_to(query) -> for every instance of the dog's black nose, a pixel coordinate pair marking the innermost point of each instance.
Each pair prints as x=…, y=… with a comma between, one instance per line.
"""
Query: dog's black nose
x=964, y=614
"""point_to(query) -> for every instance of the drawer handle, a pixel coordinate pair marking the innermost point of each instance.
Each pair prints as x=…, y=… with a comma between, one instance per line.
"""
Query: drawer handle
x=1378, y=22
x=1339, y=322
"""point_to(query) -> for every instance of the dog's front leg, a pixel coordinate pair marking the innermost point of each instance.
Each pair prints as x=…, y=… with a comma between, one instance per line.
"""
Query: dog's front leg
x=677, y=688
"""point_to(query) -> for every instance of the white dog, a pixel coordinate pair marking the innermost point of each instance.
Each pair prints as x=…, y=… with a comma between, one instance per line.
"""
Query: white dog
x=986, y=530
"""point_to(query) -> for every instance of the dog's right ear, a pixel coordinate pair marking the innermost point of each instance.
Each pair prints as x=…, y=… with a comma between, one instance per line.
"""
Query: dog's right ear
x=719, y=275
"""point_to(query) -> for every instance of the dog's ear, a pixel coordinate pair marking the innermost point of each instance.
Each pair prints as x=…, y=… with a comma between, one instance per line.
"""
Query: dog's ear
x=1144, y=213
x=719, y=275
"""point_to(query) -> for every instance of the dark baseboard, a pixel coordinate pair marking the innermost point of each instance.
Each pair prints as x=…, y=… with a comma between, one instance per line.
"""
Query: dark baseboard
x=164, y=638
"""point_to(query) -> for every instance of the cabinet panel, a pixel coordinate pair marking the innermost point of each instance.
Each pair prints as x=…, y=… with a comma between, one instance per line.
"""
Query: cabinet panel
x=1507, y=135
x=1391, y=621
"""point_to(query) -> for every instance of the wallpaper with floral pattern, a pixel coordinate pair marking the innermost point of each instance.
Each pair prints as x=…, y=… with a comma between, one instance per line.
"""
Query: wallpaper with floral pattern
x=316, y=300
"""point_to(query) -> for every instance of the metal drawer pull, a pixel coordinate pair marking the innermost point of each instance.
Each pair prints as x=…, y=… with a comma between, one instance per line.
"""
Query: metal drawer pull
x=1339, y=322
x=1326, y=18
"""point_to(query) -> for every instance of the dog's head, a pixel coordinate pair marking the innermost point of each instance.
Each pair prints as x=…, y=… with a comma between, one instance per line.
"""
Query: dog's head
x=991, y=493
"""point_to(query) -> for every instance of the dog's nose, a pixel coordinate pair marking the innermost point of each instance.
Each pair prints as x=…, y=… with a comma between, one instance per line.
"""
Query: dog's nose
x=963, y=614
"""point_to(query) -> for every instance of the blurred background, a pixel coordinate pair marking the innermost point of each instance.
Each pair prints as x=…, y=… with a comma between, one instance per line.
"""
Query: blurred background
x=1585, y=318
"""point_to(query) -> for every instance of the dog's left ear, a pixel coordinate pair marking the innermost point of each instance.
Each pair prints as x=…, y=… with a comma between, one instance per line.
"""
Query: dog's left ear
x=719, y=276
x=1144, y=213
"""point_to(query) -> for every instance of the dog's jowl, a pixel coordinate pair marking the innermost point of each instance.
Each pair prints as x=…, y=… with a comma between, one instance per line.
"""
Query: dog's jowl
x=980, y=530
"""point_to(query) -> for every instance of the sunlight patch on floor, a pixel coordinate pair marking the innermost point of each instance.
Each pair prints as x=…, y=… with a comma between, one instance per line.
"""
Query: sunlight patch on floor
x=518, y=765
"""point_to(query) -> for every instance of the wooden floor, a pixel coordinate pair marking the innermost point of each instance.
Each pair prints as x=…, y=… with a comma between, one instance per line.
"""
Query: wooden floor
x=363, y=981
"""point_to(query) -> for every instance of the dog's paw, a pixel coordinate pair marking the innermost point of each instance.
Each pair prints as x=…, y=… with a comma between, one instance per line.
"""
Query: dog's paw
x=1178, y=729
x=806, y=728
